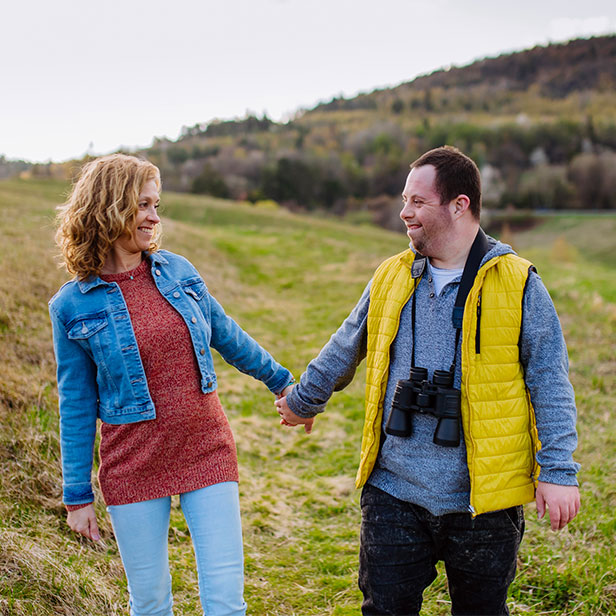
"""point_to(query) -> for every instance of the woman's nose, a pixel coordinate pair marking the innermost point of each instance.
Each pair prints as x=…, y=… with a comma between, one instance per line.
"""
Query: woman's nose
x=153, y=215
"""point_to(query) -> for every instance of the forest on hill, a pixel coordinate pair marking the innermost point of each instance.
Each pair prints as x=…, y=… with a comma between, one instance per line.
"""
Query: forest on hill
x=540, y=123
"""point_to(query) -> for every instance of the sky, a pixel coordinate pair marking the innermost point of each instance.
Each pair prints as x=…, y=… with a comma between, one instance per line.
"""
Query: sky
x=78, y=76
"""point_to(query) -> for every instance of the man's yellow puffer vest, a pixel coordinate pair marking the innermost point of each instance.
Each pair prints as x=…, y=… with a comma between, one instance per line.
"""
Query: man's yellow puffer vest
x=497, y=416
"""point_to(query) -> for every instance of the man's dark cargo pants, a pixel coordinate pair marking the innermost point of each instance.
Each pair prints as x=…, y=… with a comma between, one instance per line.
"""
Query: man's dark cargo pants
x=401, y=543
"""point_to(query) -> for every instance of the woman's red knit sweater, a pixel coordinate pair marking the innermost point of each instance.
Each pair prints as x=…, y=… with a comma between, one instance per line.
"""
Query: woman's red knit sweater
x=189, y=445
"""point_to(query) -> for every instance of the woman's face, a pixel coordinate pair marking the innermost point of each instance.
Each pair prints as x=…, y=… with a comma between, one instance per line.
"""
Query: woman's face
x=147, y=218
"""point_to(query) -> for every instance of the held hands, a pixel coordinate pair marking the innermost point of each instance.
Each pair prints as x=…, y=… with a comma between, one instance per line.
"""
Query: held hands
x=287, y=416
x=83, y=521
x=562, y=502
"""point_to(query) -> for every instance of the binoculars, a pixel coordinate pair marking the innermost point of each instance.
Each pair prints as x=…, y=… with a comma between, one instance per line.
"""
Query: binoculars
x=438, y=398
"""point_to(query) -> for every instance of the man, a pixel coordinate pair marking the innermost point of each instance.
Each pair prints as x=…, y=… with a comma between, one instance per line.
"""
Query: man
x=424, y=501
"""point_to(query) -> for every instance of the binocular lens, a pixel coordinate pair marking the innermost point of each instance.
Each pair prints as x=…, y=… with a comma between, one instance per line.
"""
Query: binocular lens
x=447, y=433
x=399, y=421
x=444, y=378
x=419, y=374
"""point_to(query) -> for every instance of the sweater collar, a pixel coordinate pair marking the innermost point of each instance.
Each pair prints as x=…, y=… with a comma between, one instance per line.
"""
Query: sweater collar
x=155, y=258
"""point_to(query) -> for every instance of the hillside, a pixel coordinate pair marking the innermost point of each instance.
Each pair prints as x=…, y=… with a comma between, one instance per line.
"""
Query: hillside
x=540, y=123
x=555, y=71
x=289, y=280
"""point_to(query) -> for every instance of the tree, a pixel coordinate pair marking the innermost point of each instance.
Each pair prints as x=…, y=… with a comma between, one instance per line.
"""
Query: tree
x=594, y=177
x=545, y=186
x=290, y=179
x=210, y=182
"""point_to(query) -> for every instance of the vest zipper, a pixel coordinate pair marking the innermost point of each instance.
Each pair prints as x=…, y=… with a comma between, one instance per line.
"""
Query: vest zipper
x=468, y=437
x=478, y=330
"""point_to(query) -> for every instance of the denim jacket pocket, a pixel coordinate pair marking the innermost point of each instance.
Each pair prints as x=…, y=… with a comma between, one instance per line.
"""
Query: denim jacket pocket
x=195, y=287
x=91, y=331
x=84, y=327
x=196, y=292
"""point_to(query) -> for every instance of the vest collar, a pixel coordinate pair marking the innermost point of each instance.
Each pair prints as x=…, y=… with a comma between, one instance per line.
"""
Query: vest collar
x=407, y=258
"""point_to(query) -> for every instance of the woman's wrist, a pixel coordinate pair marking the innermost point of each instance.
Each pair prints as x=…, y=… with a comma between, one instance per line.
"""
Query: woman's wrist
x=289, y=384
x=76, y=507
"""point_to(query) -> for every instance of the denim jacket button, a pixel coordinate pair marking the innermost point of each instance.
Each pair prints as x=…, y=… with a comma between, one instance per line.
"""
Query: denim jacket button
x=176, y=295
x=158, y=272
x=209, y=384
x=202, y=351
x=193, y=320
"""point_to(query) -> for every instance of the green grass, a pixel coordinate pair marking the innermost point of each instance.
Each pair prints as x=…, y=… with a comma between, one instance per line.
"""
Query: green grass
x=290, y=281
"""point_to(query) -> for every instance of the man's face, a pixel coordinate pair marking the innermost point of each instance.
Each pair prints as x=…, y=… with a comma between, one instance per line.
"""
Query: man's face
x=429, y=224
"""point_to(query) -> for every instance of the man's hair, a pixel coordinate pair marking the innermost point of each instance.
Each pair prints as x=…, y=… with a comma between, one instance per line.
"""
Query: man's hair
x=101, y=207
x=456, y=174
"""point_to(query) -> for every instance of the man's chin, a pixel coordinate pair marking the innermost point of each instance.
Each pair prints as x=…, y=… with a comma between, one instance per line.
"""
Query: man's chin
x=417, y=245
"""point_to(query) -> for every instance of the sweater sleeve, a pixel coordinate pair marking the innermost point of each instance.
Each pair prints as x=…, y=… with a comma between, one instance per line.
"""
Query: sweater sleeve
x=543, y=353
x=334, y=368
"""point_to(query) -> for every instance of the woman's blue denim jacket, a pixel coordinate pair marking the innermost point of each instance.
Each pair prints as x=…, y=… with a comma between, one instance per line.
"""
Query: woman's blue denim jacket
x=100, y=373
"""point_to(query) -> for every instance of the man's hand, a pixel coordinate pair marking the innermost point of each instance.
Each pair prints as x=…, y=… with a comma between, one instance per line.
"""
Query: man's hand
x=83, y=521
x=563, y=503
x=289, y=418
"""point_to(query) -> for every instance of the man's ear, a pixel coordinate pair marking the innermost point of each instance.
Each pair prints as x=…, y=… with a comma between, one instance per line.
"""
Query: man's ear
x=460, y=205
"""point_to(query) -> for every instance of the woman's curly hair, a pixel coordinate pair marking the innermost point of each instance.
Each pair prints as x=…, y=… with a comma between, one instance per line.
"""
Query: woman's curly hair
x=101, y=207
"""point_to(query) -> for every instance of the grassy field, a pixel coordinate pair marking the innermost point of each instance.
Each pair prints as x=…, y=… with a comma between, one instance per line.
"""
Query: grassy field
x=289, y=281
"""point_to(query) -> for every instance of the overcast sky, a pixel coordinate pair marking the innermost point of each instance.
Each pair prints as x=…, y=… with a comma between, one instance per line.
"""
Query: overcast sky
x=78, y=75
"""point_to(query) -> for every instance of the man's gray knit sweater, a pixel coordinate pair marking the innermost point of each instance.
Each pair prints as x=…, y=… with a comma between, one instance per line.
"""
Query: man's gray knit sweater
x=413, y=468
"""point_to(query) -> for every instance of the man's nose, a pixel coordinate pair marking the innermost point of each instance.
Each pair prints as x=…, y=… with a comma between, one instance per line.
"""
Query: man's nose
x=407, y=211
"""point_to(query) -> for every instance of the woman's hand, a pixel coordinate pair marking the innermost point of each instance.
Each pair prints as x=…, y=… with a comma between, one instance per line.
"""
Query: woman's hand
x=289, y=418
x=286, y=391
x=83, y=521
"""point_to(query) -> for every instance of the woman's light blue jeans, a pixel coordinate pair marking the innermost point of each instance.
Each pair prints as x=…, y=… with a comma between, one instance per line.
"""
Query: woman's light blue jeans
x=213, y=518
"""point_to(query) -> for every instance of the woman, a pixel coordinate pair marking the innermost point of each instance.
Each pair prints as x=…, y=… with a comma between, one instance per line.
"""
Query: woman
x=132, y=335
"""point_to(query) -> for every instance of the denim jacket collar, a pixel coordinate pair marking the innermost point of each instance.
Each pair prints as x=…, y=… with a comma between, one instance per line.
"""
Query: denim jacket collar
x=96, y=281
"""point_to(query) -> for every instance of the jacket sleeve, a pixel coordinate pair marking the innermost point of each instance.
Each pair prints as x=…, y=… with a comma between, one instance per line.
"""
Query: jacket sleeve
x=334, y=368
x=543, y=353
x=243, y=352
x=78, y=401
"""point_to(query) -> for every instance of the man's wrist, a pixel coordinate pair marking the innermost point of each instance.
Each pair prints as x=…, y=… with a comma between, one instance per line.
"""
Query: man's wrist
x=294, y=405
